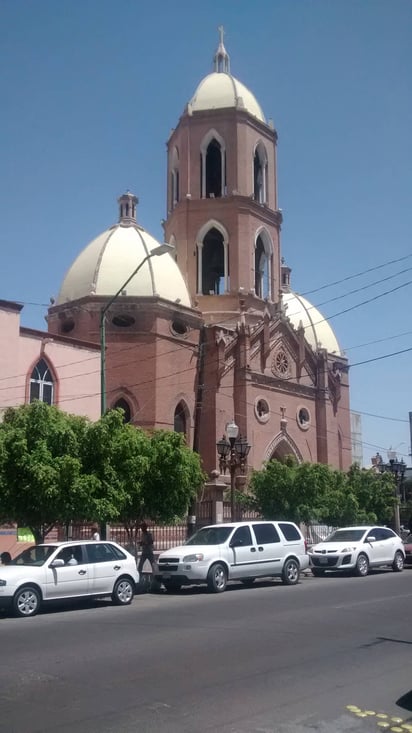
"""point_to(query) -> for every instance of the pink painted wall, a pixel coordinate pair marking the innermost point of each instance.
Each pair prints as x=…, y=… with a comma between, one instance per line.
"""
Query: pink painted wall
x=75, y=366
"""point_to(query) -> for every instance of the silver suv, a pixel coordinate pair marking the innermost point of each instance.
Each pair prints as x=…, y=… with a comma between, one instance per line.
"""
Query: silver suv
x=236, y=551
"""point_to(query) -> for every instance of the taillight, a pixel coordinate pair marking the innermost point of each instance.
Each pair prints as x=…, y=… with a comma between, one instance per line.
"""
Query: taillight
x=306, y=546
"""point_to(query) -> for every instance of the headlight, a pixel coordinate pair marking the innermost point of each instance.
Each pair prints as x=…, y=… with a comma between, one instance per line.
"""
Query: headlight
x=193, y=558
x=3, y=582
x=348, y=549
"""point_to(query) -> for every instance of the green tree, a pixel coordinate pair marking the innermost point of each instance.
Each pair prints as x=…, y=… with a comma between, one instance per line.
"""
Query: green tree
x=171, y=478
x=41, y=477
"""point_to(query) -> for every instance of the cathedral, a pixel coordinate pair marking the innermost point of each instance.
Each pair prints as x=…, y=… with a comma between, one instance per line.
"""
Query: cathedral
x=212, y=332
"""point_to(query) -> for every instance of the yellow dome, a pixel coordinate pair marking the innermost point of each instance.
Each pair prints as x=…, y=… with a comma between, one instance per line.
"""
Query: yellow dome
x=109, y=260
x=220, y=91
x=318, y=332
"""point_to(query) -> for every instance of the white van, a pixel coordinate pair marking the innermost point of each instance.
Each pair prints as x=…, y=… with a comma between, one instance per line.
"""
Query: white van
x=235, y=551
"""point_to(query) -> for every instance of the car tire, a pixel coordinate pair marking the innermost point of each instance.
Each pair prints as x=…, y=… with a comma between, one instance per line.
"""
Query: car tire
x=217, y=578
x=171, y=586
x=26, y=601
x=123, y=592
x=318, y=572
x=248, y=582
x=290, y=572
x=362, y=565
x=398, y=562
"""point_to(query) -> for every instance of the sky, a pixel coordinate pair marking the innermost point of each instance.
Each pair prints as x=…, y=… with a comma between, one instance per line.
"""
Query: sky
x=90, y=90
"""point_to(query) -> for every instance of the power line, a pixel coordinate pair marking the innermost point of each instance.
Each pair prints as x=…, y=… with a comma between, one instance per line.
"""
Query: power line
x=357, y=274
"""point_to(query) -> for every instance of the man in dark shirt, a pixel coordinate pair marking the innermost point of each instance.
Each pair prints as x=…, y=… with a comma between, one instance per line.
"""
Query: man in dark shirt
x=146, y=544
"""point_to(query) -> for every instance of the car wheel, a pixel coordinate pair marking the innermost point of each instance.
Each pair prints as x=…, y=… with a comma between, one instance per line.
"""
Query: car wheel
x=398, y=562
x=217, y=578
x=123, y=592
x=290, y=572
x=171, y=586
x=318, y=572
x=362, y=565
x=248, y=582
x=26, y=601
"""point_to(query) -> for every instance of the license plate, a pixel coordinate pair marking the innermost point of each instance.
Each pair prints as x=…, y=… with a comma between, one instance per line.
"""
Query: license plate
x=323, y=560
x=166, y=576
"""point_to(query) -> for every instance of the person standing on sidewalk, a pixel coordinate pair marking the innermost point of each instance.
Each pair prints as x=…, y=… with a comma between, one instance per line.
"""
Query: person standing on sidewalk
x=147, y=546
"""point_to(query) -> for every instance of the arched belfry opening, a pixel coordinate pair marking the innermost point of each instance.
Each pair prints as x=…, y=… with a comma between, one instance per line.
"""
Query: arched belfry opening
x=174, y=179
x=260, y=174
x=212, y=275
x=263, y=261
x=212, y=166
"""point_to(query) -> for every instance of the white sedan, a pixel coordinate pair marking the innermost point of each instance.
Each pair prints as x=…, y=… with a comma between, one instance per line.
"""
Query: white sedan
x=64, y=570
x=358, y=549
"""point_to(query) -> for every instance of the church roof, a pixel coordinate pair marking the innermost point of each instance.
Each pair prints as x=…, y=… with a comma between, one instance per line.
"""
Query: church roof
x=220, y=90
x=318, y=332
x=108, y=261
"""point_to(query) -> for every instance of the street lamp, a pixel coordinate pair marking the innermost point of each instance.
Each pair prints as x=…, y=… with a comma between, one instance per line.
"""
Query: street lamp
x=232, y=451
x=397, y=468
x=155, y=252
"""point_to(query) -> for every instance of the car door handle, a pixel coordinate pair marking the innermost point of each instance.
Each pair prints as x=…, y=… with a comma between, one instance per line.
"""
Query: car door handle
x=260, y=549
x=253, y=549
x=116, y=567
x=82, y=572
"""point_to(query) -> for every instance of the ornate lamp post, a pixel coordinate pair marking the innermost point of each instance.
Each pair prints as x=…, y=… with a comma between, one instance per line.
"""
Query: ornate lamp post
x=232, y=451
x=397, y=468
x=156, y=251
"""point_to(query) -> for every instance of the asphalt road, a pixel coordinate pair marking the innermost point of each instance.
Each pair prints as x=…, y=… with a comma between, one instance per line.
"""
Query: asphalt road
x=252, y=660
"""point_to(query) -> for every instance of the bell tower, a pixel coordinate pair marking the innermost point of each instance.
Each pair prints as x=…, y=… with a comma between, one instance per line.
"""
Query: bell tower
x=222, y=210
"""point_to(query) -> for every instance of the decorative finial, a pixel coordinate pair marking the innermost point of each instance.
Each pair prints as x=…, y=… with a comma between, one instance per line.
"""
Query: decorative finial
x=221, y=58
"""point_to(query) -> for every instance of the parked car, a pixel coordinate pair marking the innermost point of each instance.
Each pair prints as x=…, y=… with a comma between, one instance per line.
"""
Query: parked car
x=358, y=549
x=235, y=551
x=407, y=546
x=64, y=570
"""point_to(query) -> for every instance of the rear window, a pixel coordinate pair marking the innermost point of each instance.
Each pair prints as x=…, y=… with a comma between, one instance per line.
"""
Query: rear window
x=265, y=533
x=289, y=531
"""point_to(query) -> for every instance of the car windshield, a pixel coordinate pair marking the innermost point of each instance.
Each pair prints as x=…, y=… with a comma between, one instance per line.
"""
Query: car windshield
x=346, y=535
x=408, y=540
x=210, y=536
x=36, y=555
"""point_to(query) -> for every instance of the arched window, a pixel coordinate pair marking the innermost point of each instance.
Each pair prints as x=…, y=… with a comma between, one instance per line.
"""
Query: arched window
x=174, y=179
x=41, y=383
x=212, y=253
x=124, y=405
x=263, y=251
x=212, y=166
x=180, y=422
x=260, y=174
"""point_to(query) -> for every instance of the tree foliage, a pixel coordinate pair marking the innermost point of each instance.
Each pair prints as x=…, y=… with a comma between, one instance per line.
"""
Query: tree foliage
x=316, y=492
x=56, y=468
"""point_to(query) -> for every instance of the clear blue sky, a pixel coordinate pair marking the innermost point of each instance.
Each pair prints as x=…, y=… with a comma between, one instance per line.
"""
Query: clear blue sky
x=90, y=89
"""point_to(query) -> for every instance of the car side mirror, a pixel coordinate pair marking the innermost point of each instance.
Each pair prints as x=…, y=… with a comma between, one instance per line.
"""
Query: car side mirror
x=370, y=538
x=57, y=563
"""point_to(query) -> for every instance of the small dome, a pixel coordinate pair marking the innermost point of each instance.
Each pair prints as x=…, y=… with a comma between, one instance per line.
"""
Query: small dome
x=318, y=332
x=109, y=260
x=221, y=90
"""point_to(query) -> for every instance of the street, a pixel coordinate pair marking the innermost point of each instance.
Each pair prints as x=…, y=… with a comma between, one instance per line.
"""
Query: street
x=265, y=659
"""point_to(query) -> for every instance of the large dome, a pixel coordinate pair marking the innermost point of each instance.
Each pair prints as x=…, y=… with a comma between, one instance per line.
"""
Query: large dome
x=318, y=332
x=109, y=260
x=222, y=90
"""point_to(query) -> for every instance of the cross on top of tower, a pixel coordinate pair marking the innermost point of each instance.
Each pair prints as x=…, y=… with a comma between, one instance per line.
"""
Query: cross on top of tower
x=221, y=58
